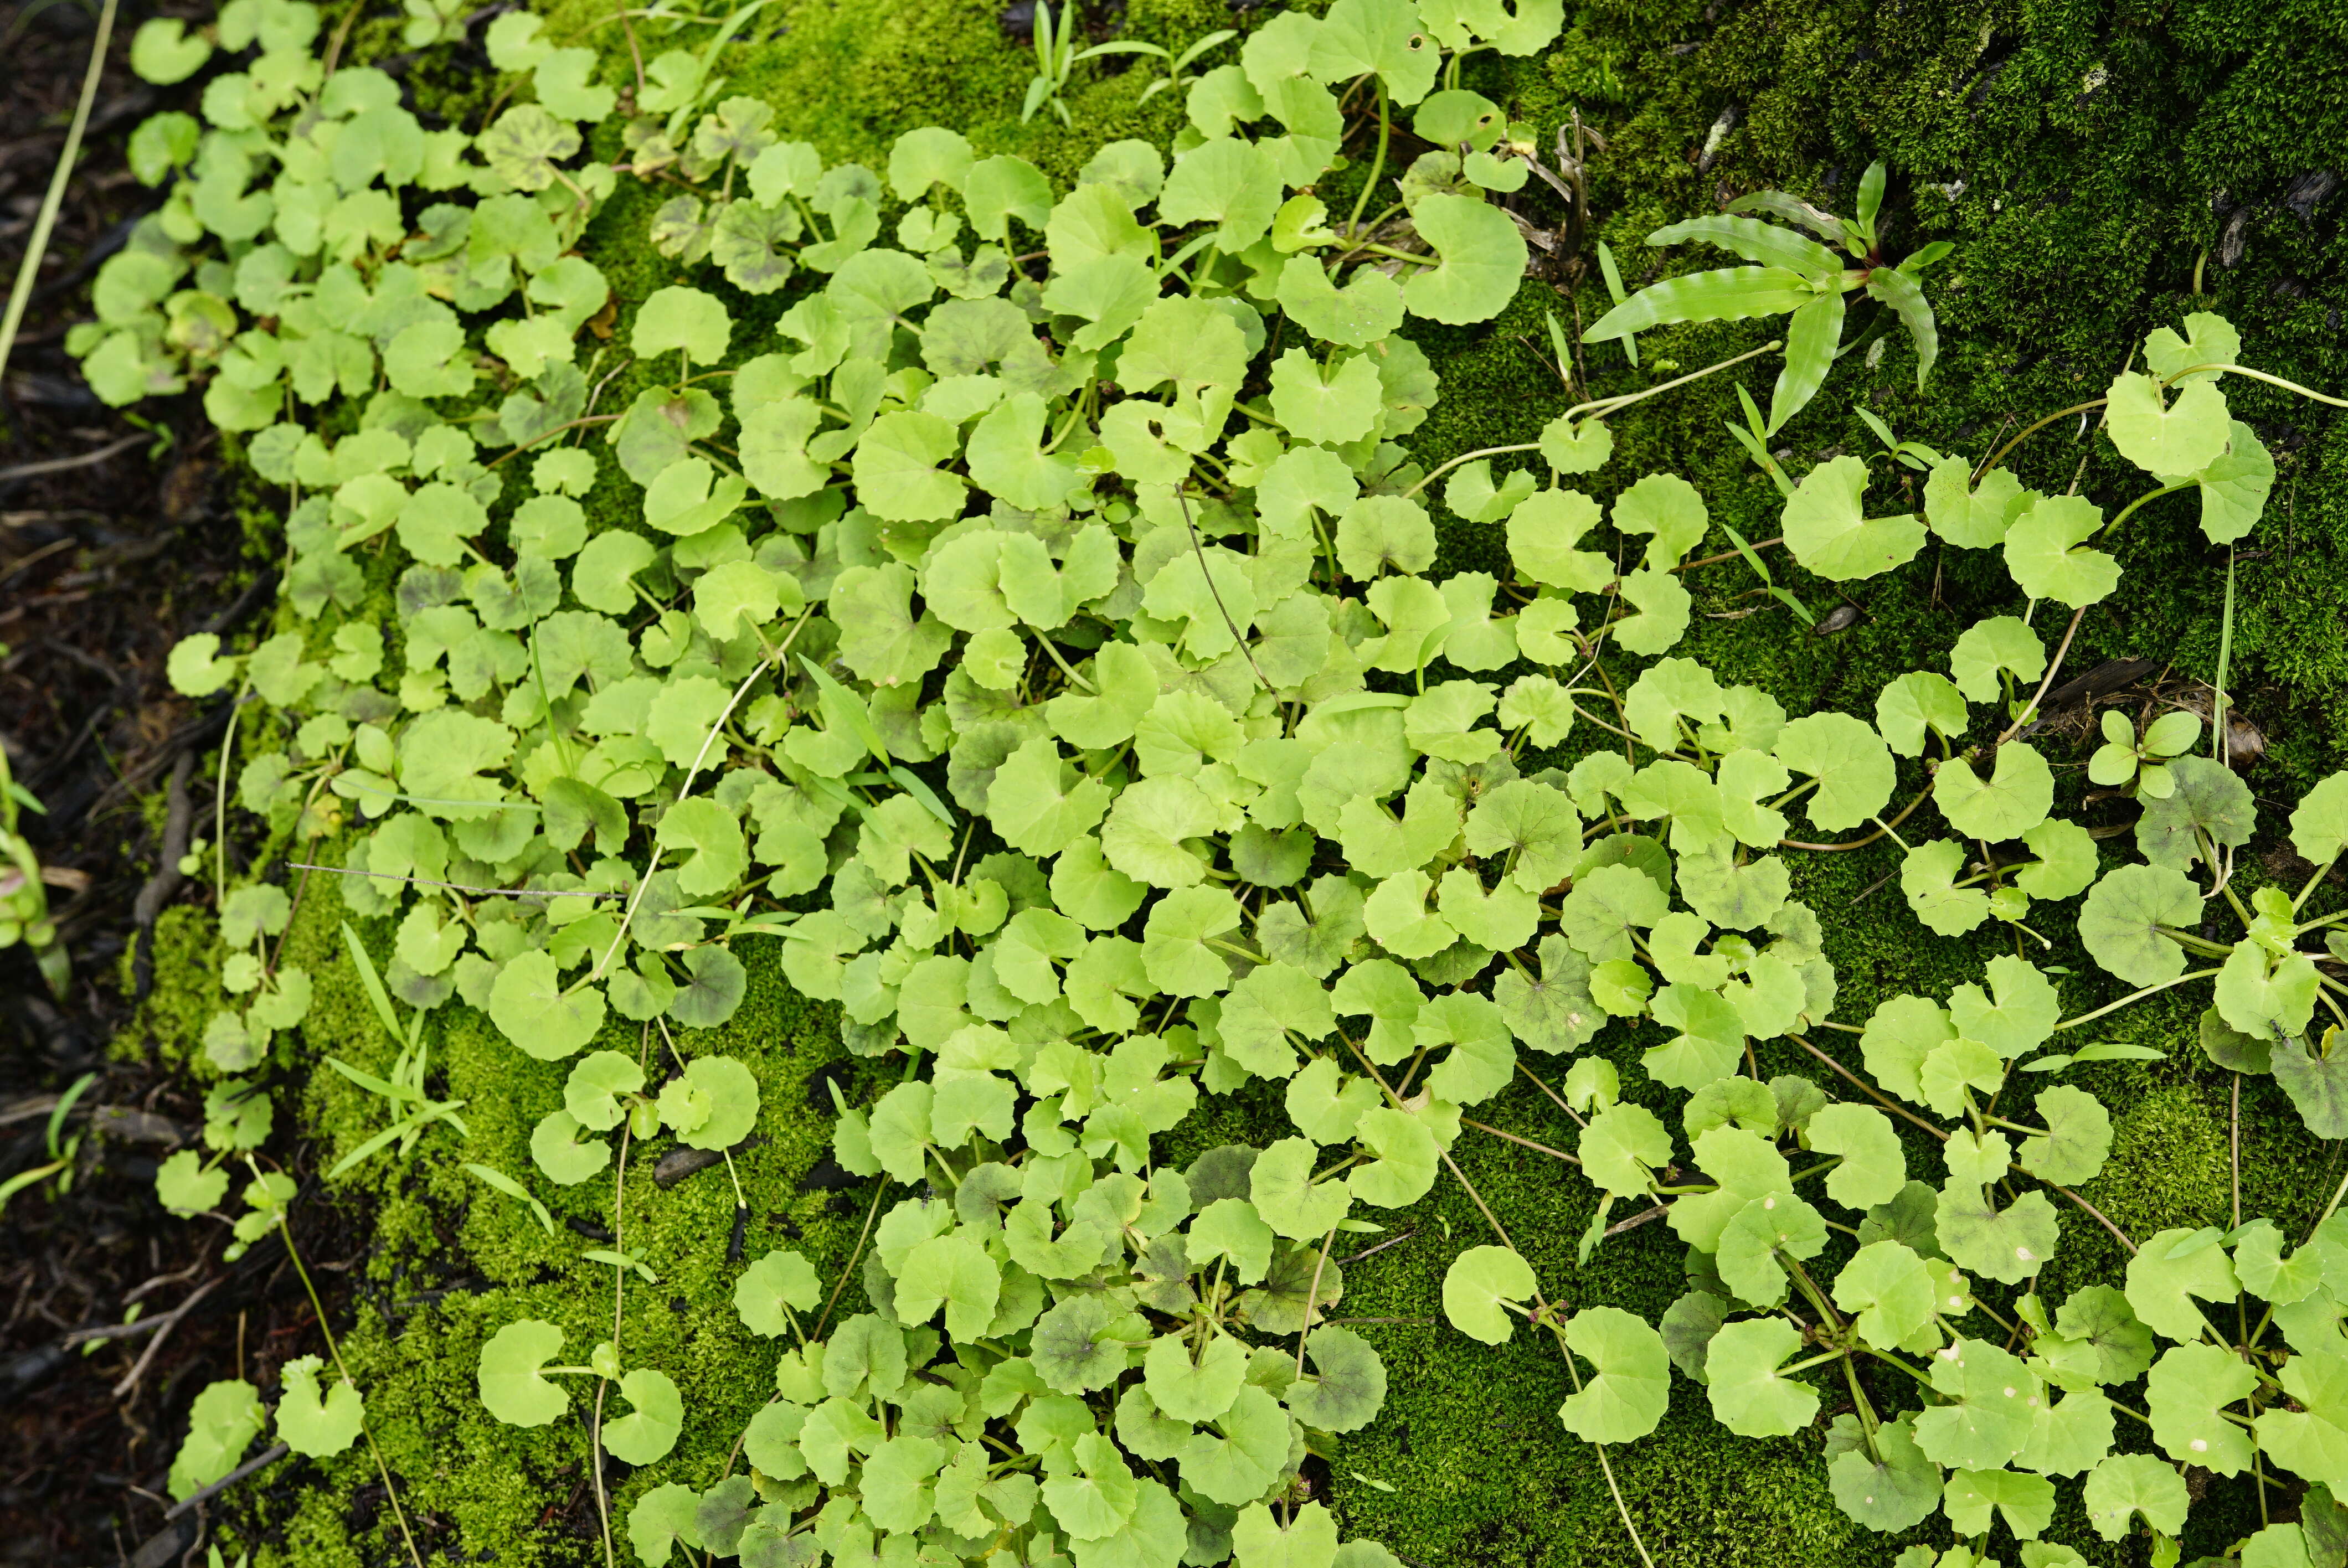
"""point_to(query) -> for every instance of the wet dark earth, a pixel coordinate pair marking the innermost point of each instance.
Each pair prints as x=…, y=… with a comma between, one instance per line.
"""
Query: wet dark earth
x=117, y=537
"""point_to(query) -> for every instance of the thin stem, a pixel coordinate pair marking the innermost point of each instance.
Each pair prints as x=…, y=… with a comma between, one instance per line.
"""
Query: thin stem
x=2128, y=510
x=1444, y=468
x=2030, y=430
x=773, y=662
x=2225, y=652
x=879, y=1192
x=220, y=800
x=1378, y=165
x=2117, y=1234
x=1601, y=407
x=2134, y=996
x=2053, y=665
x=29, y=270
x=2258, y=375
x=1882, y=829
x=1757, y=547
x=1528, y=1143
x=1869, y=1090
x=1313, y=1298
x=285, y=1231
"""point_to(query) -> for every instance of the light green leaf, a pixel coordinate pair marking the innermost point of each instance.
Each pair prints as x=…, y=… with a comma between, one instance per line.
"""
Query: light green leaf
x=1873, y=1169
x=1482, y=1288
x=1282, y=1191
x=529, y=1006
x=2185, y=1391
x=2125, y=1485
x=678, y=318
x=2001, y=644
x=1747, y=1395
x=1483, y=255
x=1850, y=762
x=649, y=1430
x=1888, y=1288
x=2041, y=553
x=2178, y=436
x=2015, y=799
x=312, y=1427
x=509, y=1381
x=1996, y=1399
x=1627, y=1400
x=1826, y=527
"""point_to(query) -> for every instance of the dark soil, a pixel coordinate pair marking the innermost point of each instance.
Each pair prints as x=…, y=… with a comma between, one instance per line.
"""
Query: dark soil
x=116, y=539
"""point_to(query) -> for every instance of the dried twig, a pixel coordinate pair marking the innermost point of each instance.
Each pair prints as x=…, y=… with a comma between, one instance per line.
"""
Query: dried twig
x=263, y=1461
x=163, y=1327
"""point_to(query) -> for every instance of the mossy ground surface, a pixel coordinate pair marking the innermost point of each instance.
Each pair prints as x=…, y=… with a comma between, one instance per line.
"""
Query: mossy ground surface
x=2088, y=159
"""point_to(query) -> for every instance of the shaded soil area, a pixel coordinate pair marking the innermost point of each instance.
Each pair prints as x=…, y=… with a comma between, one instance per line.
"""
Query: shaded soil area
x=116, y=539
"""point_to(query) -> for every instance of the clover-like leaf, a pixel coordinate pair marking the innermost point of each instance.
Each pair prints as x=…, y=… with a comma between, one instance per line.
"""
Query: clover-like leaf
x=1483, y=257
x=1481, y=1290
x=649, y=1430
x=1848, y=759
x=769, y=1289
x=509, y=1375
x=2012, y=800
x=1748, y=1396
x=2176, y=436
x=1627, y=1398
x=1825, y=527
x=312, y=1426
x=2125, y=1485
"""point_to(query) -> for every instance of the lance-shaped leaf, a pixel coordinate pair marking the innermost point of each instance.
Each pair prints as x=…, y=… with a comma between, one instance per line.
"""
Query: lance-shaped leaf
x=1731, y=293
x=1812, y=335
x=1765, y=244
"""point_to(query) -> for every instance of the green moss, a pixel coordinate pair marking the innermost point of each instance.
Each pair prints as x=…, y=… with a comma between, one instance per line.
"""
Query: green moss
x=2083, y=156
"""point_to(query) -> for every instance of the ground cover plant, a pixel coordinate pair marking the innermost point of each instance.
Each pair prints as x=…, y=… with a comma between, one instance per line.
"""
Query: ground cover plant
x=1044, y=661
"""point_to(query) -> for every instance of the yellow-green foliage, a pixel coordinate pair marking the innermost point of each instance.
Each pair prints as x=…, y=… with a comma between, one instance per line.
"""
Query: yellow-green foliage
x=2075, y=154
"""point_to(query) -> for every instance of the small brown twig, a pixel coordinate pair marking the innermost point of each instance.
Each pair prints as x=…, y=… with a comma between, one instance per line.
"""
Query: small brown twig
x=1365, y=1252
x=262, y=1460
x=163, y=1327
